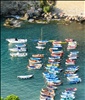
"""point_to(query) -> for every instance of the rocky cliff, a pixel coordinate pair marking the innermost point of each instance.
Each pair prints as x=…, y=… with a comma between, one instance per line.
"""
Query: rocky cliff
x=18, y=7
x=71, y=8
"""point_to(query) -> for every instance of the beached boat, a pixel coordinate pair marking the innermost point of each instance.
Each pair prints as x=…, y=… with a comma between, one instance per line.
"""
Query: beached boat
x=17, y=54
x=15, y=40
x=18, y=49
x=25, y=76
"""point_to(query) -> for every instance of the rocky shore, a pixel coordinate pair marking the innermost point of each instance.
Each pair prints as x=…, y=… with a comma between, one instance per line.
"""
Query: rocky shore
x=32, y=12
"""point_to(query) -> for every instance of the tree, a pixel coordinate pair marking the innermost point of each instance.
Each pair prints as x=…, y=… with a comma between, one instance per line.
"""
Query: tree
x=1, y=98
x=12, y=97
x=46, y=9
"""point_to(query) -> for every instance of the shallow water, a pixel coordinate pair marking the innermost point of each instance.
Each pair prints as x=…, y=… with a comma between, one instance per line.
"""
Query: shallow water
x=12, y=67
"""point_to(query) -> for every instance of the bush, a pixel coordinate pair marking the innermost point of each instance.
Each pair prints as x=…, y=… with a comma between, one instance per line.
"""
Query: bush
x=1, y=98
x=12, y=97
x=46, y=9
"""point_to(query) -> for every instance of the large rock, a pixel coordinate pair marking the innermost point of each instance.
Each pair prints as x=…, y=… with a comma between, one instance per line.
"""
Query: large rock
x=7, y=6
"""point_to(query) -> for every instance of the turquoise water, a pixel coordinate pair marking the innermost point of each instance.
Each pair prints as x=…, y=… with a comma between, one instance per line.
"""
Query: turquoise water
x=12, y=67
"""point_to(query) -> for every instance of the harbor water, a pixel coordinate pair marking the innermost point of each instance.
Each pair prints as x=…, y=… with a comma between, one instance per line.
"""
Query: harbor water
x=11, y=67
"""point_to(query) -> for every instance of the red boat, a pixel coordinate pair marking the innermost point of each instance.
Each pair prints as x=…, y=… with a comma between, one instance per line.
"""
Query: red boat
x=54, y=54
x=69, y=40
x=71, y=89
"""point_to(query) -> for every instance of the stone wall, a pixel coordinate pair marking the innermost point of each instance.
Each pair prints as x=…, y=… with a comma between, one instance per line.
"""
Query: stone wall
x=70, y=8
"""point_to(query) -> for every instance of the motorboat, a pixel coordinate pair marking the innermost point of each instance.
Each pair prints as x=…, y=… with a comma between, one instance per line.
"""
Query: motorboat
x=38, y=55
x=41, y=43
x=53, y=49
x=16, y=40
x=67, y=75
x=55, y=42
x=59, y=46
x=69, y=40
x=68, y=94
x=74, y=52
x=25, y=76
x=18, y=49
x=40, y=47
x=73, y=58
x=18, y=54
x=74, y=80
x=71, y=89
x=58, y=52
x=34, y=61
x=33, y=58
x=72, y=45
x=35, y=66
x=21, y=45
x=54, y=58
x=70, y=62
x=44, y=97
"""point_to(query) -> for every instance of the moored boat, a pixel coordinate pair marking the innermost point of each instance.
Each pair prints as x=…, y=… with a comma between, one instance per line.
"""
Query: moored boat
x=18, y=49
x=25, y=76
x=40, y=47
x=18, y=54
x=16, y=40
x=38, y=55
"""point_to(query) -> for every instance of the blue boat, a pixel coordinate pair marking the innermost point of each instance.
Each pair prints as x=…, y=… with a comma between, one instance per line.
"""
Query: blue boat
x=32, y=58
x=74, y=80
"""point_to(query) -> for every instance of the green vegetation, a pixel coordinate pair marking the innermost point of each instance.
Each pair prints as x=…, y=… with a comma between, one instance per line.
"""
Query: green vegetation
x=1, y=98
x=45, y=6
x=11, y=97
x=46, y=9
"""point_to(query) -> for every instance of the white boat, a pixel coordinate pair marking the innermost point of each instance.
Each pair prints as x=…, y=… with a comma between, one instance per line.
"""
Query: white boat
x=25, y=76
x=38, y=55
x=40, y=47
x=73, y=58
x=20, y=45
x=15, y=40
x=70, y=63
x=41, y=43
x=17, y=49
x=35, y=66
x=18, y=54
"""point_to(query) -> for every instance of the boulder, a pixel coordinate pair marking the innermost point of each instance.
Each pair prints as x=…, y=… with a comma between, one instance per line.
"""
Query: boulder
x=31, y=20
